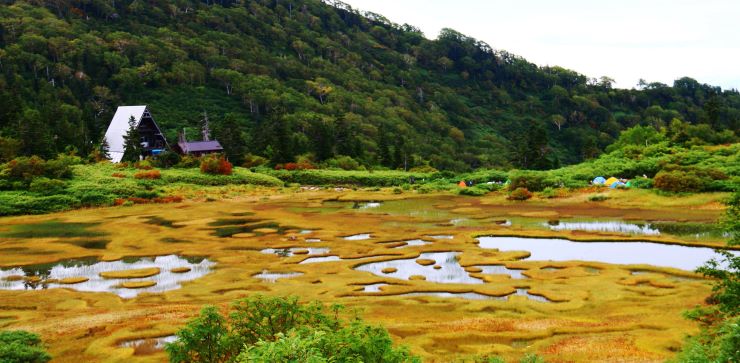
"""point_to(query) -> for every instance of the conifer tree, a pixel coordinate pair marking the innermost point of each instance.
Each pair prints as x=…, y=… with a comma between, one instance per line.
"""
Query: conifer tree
x=132, y=142
x=105, y=149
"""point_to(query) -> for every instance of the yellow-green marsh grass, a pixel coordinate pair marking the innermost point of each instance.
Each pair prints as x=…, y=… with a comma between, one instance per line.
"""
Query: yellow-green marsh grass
x=131, y=274
x=598, y=311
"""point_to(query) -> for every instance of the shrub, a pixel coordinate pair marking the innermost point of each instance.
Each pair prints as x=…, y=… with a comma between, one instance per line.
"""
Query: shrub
x=520, y=194
x=531, y=180
x=239, y=176
x=46, y=186
x=344, y=163
x=679, y=181
x=20, y=346
x=167, y=159
x=253, y=161
x=188, y=161
x=549, y=193
x=25, y=169
x=150, y=175
x=93, y=198
x=598, y=198
x=276, y=329
x=143, y=165
x=118, y=175
x=215, y=164
x=642, y=183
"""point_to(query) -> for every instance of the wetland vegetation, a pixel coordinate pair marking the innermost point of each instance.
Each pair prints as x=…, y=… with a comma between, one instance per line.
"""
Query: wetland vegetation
x=447, y=283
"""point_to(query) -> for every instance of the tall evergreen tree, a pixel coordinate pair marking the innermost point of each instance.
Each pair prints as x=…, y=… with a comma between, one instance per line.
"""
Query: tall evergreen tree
x=230, y=133
x=132, y=142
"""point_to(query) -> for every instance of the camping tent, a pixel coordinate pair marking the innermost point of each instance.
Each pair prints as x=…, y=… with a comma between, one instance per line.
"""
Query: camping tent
x=611, y=181
x=462, y=184
x=616, y=184
x=599, y=180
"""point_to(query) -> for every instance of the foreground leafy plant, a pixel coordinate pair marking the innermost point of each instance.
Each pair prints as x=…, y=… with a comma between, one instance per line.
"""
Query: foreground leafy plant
x=719, y=340
x=22, y=347
x=266, y=329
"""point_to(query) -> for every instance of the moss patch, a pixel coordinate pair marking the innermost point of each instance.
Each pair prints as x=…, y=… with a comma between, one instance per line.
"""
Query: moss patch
x=52, y=229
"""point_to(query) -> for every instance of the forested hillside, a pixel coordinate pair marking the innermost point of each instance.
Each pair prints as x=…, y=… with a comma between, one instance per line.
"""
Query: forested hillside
x=289, y=78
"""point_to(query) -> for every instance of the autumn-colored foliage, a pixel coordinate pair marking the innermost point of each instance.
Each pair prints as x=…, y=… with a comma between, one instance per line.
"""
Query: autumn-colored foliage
x=215, y=164
x=150, y=174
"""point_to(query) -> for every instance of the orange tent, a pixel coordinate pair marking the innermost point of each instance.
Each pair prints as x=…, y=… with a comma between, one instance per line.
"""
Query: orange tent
x=462, y=184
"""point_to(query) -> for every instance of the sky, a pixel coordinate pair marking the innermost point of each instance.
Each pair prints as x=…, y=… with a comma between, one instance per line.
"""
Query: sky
x=656, y=40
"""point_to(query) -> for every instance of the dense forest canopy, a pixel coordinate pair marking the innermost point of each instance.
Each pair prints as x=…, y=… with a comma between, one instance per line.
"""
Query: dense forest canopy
x=289, y=78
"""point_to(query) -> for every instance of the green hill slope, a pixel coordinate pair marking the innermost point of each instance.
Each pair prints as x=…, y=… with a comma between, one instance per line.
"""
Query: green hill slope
x=287, y=78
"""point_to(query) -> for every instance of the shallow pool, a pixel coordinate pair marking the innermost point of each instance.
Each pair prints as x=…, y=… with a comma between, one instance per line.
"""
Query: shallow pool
x=622, y=253
x=89, y=268
x=448, y=272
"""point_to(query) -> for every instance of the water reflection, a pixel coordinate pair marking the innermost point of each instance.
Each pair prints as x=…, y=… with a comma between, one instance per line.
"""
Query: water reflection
x=414, y=242
x=38, y=276
x=148, y=345
x=623, y=253
x=610, y=226
x=358, y=237
x=502, y=270
x=289, y=252
x=274, y=276
x=448, y=272
x=321, y=259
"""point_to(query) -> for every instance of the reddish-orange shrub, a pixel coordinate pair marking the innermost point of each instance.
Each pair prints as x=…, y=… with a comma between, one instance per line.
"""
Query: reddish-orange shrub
x=151, y=174
x=303, y=165
x=118, y=175
x=215, y=164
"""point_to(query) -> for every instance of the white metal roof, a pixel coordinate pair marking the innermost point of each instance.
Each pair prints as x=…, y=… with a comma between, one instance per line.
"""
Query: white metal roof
x=118, y=128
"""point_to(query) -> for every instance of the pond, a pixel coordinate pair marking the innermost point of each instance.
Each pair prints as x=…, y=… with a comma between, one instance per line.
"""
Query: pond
x=173, y=270
x=605, y=226
x=358, y=237
x=320, y=259
x=272, y=277
x=621, y=253
x=148, y=345
x=502, y=270
x=441, y=267
x=414, y=242
x=292, y=251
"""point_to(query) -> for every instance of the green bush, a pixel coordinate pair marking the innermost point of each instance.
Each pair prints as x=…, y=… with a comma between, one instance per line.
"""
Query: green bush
x=597, y=198
x=253, y=161
x=531, y=180
x=22, y=347
x=46, y=186
x=275, y=329
x=25, y=169
x=238, y=176
x=166, y=160
x=641, y=183
x=549, y=193
x=94, y=198
x=679, y=181
x=348, y=177
x=344, y=163
x=22, y=203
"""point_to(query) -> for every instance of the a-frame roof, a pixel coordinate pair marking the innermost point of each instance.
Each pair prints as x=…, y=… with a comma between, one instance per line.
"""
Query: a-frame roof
x=119, y=126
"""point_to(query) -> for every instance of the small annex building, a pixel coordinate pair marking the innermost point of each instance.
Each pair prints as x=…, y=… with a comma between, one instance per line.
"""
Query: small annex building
x=198, y=148
x=152, y=140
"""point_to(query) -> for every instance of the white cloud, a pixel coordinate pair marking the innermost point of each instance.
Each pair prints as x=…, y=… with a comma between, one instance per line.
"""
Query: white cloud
x=658, y=40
